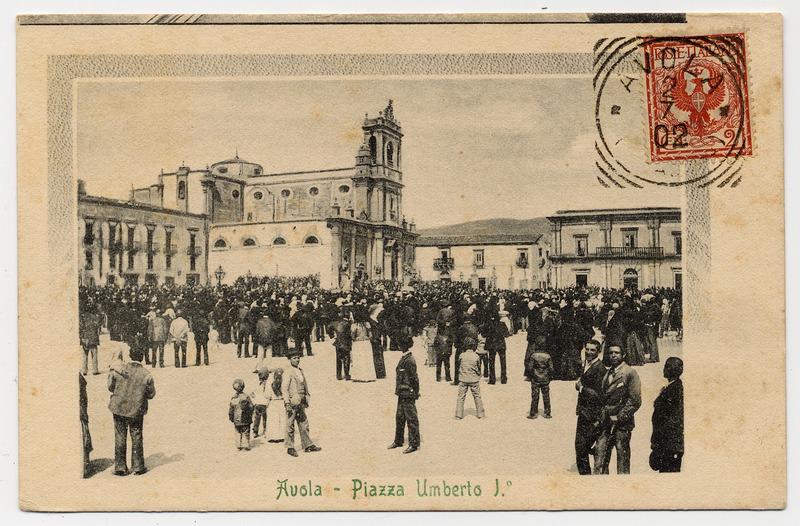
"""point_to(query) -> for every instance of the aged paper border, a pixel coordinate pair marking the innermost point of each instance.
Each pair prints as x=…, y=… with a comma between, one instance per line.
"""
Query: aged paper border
x=60, y=205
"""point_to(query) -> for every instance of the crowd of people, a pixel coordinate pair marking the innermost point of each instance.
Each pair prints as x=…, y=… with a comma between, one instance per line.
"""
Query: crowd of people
x=463, y=330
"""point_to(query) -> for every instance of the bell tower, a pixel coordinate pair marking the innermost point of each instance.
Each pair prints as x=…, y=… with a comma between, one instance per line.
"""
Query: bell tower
x=379, y=173
x=383, y=136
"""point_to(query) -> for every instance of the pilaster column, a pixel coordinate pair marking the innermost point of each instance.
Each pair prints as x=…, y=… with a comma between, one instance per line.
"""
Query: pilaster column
x=336, y=253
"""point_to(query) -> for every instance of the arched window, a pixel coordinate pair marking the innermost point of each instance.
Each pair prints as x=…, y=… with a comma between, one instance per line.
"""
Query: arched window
x=312, y=240
x=390, y=154
x=249, y=242
x=182, y=190
x=344, y=189
x=373, y=147
x=220, y=243
x=279, y=241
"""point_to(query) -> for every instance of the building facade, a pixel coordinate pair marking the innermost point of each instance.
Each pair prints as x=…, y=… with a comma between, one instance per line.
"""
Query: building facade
x=344, y=224
x=487, y=261
x=617, y=248
x=126, y=243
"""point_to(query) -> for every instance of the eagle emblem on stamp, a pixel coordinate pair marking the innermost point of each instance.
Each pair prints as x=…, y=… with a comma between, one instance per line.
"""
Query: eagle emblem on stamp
x=697, y=98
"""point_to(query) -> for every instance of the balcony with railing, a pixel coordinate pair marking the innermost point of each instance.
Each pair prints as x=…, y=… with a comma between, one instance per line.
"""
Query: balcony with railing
x=442, y=264
x=170, y=249
x=522, y=262
x=613, y=253
x=154, y=248
x=630, y=252
x=133, y=246
x=88, y=239
x=194, y=251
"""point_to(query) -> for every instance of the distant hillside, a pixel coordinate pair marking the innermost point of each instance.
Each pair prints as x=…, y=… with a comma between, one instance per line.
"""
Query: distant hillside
x=492, y=226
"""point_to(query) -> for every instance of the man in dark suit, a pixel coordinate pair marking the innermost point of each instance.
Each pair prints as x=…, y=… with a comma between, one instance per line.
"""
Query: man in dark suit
x=407, y=391
x=201, y=327
x=622, y=397
x=666, y=441
x=343, y=343
x=303, y=322
x=590, y=405
x=131, y=386
x=445, y=328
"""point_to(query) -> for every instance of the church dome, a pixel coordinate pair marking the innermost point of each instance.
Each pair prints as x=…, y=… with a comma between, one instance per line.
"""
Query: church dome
x=237, y=167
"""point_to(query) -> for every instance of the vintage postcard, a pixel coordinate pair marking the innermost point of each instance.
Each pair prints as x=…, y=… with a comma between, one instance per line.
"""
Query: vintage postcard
x=439, y=262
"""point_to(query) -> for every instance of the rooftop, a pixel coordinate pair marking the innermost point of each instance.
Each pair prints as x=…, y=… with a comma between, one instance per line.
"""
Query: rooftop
x=612, y=211
x=133, y=204
x=477, y=239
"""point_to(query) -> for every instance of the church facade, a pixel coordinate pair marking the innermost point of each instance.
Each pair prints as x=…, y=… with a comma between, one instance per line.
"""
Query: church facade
x=345, y=224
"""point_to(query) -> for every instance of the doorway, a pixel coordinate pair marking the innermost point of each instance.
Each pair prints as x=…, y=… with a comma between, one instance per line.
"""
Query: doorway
x=630, y=279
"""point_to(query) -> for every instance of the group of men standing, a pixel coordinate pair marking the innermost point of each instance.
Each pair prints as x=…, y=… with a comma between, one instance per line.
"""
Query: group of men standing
x=608, y=399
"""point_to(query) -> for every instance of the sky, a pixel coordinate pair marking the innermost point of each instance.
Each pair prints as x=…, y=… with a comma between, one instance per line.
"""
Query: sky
x=474, y=148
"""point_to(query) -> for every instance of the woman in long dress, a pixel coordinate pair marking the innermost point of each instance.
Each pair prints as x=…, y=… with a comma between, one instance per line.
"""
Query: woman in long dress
x=362, y=364
x=634, y=349
x=429, y=333
x=375, y=312
x=276, y=412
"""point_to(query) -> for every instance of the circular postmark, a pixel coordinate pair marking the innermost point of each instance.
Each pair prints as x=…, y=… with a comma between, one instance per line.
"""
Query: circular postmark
x=661, y=101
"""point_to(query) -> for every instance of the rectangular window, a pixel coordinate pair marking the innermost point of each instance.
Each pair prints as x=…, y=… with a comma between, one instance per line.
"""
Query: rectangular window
x=629, y=238
x=131, y=251
x=150, y=250
x=522, y=257
x=89, y=262
x=192, y=256
x=478, y=258
x=676, y=236
x=445, y=252
x=540, y=251
x=582, y=245
x=112, y=243
x=88, y=236
x=168, y=249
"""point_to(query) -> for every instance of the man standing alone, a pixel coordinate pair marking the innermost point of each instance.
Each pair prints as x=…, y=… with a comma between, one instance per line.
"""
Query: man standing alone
x=407, y=391
x=666, y=441
x=131, y=386
x=295, y=397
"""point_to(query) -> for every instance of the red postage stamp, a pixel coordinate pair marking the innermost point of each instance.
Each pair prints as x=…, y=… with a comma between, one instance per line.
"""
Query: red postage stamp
x=697, y=97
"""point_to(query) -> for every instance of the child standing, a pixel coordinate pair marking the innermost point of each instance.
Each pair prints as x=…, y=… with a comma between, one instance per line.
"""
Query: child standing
x=240, y=413
x=260, y=398
x=469, y=377
x=541, y=370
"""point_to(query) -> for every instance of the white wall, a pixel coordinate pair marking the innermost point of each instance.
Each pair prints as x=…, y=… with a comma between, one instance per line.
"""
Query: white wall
x=194, y=191
x=499, y=260
x=293, y=259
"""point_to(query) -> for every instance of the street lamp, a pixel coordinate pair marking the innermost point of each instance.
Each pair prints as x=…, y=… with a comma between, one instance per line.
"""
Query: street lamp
x=219, y=273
